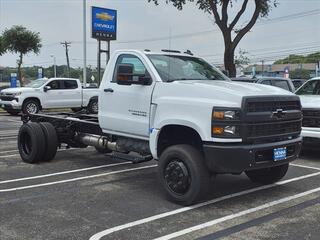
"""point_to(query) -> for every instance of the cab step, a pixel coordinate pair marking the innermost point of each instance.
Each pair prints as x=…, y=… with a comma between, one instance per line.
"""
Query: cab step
x=131, y=158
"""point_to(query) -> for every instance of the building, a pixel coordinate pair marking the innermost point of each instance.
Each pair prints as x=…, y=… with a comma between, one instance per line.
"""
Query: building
x=280, y=70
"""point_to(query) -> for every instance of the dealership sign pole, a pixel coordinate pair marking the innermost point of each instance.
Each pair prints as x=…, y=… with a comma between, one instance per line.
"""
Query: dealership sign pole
x=103, y=28
x=84, y=44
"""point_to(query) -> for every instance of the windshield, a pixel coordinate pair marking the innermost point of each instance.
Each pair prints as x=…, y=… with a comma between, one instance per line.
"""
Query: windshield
x=37, y=83
x=172, y=67
x=310, y=88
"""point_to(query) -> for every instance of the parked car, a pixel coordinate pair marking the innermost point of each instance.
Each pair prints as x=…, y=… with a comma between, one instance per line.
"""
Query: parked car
x=183, y=112
x=298, y=82
x=49, y=93
x=283, y=83
x=309, y=94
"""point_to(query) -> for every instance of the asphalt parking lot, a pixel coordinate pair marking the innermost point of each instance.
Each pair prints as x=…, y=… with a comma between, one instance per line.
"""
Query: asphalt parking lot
x=84, y=195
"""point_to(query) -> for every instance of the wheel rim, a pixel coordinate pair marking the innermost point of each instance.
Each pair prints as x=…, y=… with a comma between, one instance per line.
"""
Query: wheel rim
x=25, y=143
x=31, y=108
x=94, y=107
x=177, y=177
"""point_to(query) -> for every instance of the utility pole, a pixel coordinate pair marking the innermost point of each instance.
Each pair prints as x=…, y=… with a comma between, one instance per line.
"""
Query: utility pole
x=84, y=44
x=66, y=46
x=262, y=62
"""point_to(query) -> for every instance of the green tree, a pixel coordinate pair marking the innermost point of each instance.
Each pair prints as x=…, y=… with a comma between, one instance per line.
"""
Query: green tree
x=2, y=46
x=242, y=58
x=21, y=41
x=310, y=58
x=232, y=35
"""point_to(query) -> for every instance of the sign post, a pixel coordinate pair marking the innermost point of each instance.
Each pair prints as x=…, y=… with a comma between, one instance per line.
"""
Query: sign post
x=13, y=80
x=103, y=28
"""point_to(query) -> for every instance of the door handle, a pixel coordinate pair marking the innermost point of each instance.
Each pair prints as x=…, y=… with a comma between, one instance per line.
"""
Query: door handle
x=108, y=90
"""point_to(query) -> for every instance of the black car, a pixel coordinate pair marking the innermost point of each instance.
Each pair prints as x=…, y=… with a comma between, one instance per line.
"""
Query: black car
x=284, y=83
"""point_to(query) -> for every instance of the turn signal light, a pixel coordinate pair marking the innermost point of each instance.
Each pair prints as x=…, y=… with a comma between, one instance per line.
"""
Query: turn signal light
x=217, y=130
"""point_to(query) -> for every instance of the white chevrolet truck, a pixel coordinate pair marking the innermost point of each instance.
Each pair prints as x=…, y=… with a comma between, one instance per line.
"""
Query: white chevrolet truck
x=49, y=93
x=309, y=94
x=182, y=112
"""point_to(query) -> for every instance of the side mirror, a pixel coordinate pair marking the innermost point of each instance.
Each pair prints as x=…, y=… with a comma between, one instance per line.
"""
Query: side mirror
x=125, y=76
x=46, y=88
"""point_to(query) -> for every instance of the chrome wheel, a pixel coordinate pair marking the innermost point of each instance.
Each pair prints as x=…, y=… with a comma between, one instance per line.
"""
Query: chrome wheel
x=31, y=108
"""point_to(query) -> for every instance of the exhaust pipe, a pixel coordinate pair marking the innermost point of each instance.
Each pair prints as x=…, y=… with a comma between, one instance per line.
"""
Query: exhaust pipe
x=97, y=141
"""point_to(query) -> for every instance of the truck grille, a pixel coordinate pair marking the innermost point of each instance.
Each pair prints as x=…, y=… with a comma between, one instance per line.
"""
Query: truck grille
x=6, y=98
x=267, y=106
x=272, y=129
x=311, y=118
x=268, y=119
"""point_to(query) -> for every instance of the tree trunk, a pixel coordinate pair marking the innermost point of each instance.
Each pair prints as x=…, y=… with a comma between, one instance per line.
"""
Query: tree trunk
x=19, y=70
x=229, y=62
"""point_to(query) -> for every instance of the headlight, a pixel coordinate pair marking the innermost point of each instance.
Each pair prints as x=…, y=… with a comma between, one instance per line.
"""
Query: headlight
x=225, y=123
x=225, y=115
x=17, y=94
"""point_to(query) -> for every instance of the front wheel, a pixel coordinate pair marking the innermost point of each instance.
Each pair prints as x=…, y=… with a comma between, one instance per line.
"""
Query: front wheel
x=268, y=175
x=183, y=174
x=31, y=107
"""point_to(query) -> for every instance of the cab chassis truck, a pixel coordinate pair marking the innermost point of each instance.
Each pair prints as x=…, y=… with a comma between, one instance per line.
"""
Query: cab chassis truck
x=182, y=112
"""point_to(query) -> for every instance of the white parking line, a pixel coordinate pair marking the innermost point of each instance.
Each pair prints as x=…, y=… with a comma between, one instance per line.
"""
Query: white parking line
x=16, y=155
x=106, y=232
x=236, y=215
x=8, y=138
x=62, y=173
x=75, y=179
x=304, y=166
x=8, y=151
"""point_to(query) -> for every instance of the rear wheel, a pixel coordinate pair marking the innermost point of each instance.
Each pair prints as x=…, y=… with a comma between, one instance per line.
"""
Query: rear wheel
x=183, y=174
x=51, y=141
x=31, y=107
x=31, y=142
x=268, y=175
x=93, y=106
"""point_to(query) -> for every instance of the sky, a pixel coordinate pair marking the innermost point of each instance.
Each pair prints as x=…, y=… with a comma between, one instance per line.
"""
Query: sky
x=292, y=27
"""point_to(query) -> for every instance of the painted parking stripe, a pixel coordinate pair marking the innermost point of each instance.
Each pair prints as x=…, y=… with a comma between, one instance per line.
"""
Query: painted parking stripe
x=106, y=232
x=304, y=166
x=236, y=215
x=63, y=173
x=8, y=138
x=75, y=179
x=9, y=151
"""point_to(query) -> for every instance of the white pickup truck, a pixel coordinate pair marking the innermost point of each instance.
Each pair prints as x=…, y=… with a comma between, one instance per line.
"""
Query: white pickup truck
x=184, y=113
x=49, y=93
x=309, y=94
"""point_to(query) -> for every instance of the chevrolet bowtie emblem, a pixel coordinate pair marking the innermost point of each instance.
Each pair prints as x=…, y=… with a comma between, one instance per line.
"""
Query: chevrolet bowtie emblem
x=278, y=114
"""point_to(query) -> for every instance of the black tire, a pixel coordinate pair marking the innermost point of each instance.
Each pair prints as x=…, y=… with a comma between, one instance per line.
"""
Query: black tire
x=13, y=112
x=76, y=109
x=268, y=175
x=93, y=106
x=52, y=141
x=31, y=142
x=30, y=107
x=103, y=150
x=183, y=174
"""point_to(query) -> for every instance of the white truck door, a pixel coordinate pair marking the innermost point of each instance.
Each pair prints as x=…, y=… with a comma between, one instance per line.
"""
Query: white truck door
x=52, y=97
x=125, y=108
x=72, y=93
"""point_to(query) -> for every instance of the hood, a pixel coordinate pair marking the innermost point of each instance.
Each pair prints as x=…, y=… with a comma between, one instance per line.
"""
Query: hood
x=15, y=90
x=219, y=93
x=310, y=101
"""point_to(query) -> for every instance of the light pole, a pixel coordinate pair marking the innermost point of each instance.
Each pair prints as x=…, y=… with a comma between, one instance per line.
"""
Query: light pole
x=54, y=65
x=84, y=44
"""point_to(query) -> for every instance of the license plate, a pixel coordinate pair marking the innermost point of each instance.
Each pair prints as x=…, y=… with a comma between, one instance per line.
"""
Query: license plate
x=279, y=154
